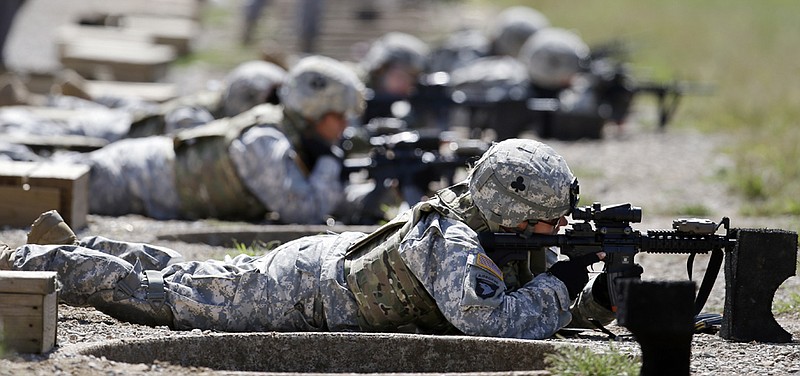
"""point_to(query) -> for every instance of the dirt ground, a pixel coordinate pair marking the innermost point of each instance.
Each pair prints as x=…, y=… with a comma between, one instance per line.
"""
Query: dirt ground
x=634, y=164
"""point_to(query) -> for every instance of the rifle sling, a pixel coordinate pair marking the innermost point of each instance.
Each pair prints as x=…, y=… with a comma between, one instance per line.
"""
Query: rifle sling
x=714, y=264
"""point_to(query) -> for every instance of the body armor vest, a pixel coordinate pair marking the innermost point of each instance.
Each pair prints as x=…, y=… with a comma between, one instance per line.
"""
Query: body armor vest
x=207, y=182
x=390, y=297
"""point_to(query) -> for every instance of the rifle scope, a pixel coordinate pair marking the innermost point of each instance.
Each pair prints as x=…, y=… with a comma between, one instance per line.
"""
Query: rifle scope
x=614, y=213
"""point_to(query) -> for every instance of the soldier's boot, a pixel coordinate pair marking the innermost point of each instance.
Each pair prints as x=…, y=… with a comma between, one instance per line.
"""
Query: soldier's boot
x=50, y=228
x=6, y=256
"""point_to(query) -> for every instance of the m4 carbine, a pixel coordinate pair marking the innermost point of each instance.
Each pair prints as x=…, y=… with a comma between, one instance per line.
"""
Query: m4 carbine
x=608, y=229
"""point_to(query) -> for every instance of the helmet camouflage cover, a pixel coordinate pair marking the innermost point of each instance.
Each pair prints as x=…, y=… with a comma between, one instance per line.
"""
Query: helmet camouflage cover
x=518, y=180
x=318, y=85
x=553, y=56
x=396, y=48
x=513, y=27
x=250, y=84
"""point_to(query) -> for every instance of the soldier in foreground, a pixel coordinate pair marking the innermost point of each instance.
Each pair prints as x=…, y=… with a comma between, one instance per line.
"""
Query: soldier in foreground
x=276, y=160
x=425, y=271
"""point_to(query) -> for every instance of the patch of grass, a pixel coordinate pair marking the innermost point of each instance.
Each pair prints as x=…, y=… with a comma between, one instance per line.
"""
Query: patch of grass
x=256, y=248
x=582, y=361
x=789, y=305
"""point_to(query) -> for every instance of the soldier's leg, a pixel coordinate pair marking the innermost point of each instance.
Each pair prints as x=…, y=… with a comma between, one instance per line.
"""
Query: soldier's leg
x=150, y=257
x=219, y=295
x=134, y=176
x=92, y=278
x=228, y=296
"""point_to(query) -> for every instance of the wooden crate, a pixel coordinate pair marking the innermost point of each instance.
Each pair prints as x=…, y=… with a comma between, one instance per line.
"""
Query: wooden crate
x=28, y=311
x=106, y=59
x=27, y=189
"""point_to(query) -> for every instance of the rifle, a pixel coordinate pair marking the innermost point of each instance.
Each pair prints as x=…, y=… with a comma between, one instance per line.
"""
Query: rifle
x=410, y=161
x=607, y=229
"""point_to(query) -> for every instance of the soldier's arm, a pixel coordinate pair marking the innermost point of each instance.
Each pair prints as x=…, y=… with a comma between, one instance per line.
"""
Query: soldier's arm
x=468, y=288
x=266, y=162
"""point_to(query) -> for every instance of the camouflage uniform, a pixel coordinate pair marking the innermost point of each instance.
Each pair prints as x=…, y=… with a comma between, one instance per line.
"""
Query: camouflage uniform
x=425, y=271
x=233, y=168
x=299, y=286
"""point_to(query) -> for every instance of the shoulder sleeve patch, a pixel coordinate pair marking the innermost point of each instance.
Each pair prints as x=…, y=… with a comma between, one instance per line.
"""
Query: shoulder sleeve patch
x=484, y=262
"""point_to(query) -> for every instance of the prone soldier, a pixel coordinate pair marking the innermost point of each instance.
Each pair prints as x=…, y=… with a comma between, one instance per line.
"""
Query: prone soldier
x=277, y=160
x=425, y=271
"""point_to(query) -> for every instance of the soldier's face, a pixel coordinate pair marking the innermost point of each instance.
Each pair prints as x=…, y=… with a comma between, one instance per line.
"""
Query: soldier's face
x=331, y=127
x=397, y=81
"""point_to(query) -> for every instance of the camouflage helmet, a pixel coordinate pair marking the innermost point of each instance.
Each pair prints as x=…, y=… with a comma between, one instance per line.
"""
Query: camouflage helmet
x=513, y=27
x=317, y=85
x=395, y=48
x=553, y=56
x=520, y=180
x=249, y=84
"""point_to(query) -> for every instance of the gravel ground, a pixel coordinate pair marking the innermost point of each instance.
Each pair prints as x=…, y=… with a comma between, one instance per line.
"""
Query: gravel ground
x=664, y=173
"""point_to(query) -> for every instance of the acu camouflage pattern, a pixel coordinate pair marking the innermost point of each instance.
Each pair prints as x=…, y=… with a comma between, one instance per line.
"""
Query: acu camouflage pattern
x=155, y=123
x=518, y=180
x=553, y=56
x=444, y=254
x=390, y=298
x=250, y=84
x=132, y=176
x=492, y=79
x=318, y=85
x=396, y=48
x=513, y=27
x=209, y=184
x=298, y=286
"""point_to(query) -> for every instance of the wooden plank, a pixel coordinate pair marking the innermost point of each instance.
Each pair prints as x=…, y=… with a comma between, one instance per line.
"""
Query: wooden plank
x=124, y=61
x=24, y=282
x=44, y=171
x=69, y=142
x=149, y=91
x=178, y=8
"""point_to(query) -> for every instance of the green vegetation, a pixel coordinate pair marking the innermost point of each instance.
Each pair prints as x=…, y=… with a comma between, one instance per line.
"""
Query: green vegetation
x=695, y=210
x=582, y=361
x=746, y=49
x=256, y=248
x=788, y=305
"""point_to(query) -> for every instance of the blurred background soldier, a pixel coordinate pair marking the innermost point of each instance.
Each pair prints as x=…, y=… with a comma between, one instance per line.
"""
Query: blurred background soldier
x=111, y=118
x=425, y=271
x=512, y=28
x=276, y=160
x=496, y=89
x=554, y=56
x=249, y=84
x=392, y=67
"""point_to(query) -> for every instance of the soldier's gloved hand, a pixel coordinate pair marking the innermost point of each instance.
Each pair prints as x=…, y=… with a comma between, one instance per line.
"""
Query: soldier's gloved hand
x=600, y=285
x=314, y=147
x=574, y=273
